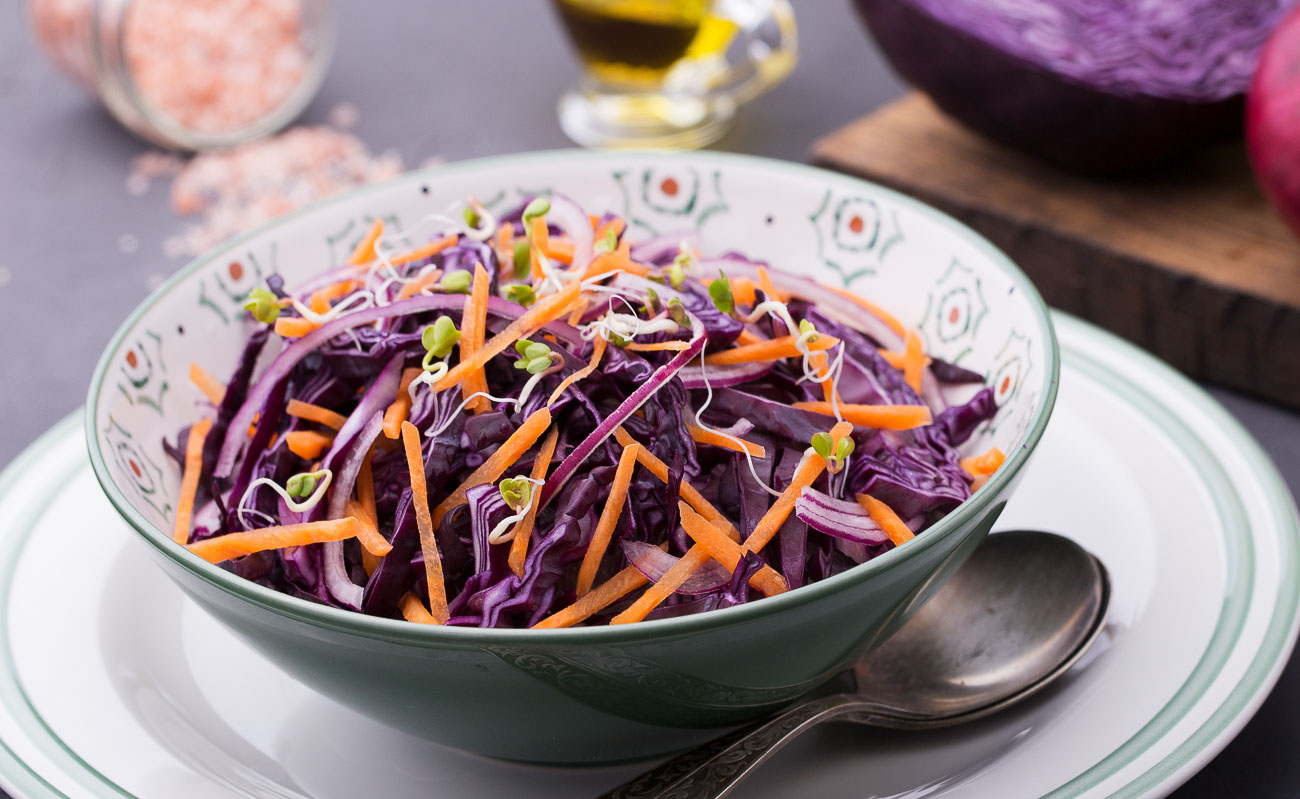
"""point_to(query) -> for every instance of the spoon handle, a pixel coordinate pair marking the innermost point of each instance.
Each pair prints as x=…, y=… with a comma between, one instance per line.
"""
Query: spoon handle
x=714, y=769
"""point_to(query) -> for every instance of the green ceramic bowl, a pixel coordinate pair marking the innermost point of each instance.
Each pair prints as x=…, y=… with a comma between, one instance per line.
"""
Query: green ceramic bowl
x=604, y=693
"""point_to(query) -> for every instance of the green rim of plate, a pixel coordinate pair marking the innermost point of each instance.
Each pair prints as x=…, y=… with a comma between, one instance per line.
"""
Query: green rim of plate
x=666, y=629
x=1196, y=749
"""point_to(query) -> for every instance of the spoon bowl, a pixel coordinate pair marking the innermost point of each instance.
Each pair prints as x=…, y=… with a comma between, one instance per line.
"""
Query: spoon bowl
x=1021, y=611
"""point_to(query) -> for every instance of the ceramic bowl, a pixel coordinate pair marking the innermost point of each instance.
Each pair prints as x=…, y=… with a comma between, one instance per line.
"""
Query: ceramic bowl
x=600, y=693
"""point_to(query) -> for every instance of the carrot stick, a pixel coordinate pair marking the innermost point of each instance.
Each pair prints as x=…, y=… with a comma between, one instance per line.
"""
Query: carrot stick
x=368, y=514
x=315, y=413
x=742, y=291
x=984, y=465
x=598, y=346
x=727, y=552
x=320, y=299
x=579, y=310
x=620, y=260
x=889, y=521
x=396, y=413
x=612, y=590
x=687, y=491
x=665, y=586
x=413, y=610
x=608, y=519
x=505, y=247
x=887, y=417
x=546, y=310
x=913, y=360
x=237, y=545
x=211, y=387
x=473, y=330
x=870, y=307
x=770, y=350
x=419, y=284
x=365, y=249
x=308, y=444
x=768, y=287
x=748, y=337
x=703, y=436
x=190, y=479
x=371, y=540
x=896, y=359
x=540, y=240
x=559, y=250
x=820, y=363
x=808, y=471
x=497, y=463
x=428, y=544
x=420, y=253
x=524, y=530
x=617, y=224
x=659, y=346
x=293, y=326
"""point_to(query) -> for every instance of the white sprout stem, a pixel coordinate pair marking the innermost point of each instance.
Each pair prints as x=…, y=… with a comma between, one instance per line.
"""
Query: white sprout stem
x=322, y=485
x=524, y=394
x=505, y=529
x=434, y=432
x=428, y=377
x=708, y=399
x=347, y=304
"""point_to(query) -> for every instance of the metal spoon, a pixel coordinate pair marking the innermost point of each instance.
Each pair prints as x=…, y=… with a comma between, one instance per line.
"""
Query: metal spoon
x=1018, y=614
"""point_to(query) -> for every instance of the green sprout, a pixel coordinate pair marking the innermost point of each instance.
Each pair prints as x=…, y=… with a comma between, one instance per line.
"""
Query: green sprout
x=534, y=357
x=540, y=206
x=523, y=264
x=303, y=485
x=821, y=444
x=607, y=243
x=521, y=293
x=516, y=491
x=264, y=305
x=677, y=312
x=720, y=291
x=651, y=302
x=808, y=329
x=835, y=454
x=472, y=218
x=438, y=338
x=456, y=282
x=677, y=272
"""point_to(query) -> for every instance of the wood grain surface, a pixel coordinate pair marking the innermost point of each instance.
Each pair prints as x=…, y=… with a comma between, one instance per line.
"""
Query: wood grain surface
x=1190, y=263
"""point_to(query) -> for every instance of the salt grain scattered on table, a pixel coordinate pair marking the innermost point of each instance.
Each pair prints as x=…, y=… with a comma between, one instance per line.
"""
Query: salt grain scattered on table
x=344, y=116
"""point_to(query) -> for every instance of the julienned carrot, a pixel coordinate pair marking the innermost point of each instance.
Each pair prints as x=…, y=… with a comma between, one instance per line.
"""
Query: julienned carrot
x=983, y=465
x=473, y=327
x=805, y=475
x=687, y=491
x=913, y=360
x=617, y=224
x=428, y=543
x=420, y=253
x=887, y=417
x=524, y=530
x=293, y=326
x=598, y=346
x=315, y=413
x=321, y=298
x=546, y=310
x=419, y=284
x=539, y=241
x=211, y=387
x=748, y=337
x=505, y=248
x=659, y=346
x=237, y=545
x=703, y=436
x=609, y=516
x=396, y=413
x=368, y=536
x=870, y=307
x=575, y=316
x=413, y=610
x=820, y=363
x=889, y=521
x=510, y=450
x=365, y=249
x=368, y=514
x=620, y=260
x=665, y=586
x=770, y=350
x=605, y=594
x=308, y=444
x=768, y=287
x=190, y=479
x=559, y=250
x=727, y=552
x=742, y=291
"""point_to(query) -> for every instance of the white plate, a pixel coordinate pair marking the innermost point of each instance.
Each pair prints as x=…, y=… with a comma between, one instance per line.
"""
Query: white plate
x=113, y=684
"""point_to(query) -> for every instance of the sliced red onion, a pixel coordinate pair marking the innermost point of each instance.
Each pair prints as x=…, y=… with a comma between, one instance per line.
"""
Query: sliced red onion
x=337, y=581
x=620, y=414
x=654, y=563
x=663, y=248
x=724, y=375
x=838, y=518
x=569, y=217
x=291, y=355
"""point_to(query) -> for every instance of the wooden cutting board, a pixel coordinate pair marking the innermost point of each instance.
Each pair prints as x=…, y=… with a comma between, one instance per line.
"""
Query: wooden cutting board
x=1191, y=264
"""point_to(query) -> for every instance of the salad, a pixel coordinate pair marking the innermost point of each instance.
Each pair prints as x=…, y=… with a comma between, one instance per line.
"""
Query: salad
x=534, y=421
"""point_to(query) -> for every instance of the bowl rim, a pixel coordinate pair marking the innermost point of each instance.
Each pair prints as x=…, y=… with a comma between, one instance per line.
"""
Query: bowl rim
x=401, y=631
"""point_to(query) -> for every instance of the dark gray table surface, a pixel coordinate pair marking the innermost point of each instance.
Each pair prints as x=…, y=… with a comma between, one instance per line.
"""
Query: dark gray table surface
x=64, y=208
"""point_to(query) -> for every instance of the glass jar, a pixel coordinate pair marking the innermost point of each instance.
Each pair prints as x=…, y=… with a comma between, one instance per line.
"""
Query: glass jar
x=192, y=74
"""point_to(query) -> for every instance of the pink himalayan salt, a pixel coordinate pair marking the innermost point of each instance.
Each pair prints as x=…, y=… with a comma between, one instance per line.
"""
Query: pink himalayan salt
x=215, y=65
x=238, y=189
